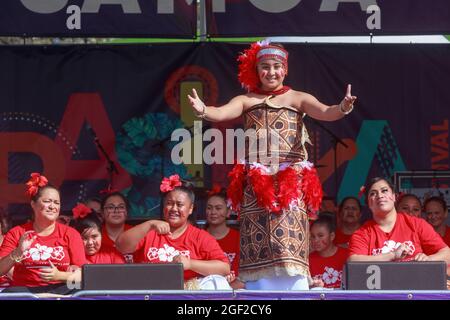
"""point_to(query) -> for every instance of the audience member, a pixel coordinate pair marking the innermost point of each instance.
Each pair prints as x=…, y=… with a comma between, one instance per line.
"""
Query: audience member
x=393, y=236
x=175, y=240
x=217, y=213
x=349, y=220
x=436, y=213
x=43, y=252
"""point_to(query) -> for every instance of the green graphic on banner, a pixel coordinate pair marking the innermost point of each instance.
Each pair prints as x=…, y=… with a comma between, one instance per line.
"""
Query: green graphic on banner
x=375, y=140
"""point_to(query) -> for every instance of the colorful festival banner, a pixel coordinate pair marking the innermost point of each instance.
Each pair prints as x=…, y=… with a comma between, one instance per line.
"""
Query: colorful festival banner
x=244, y=18
x=55, y=102
x=102, y=18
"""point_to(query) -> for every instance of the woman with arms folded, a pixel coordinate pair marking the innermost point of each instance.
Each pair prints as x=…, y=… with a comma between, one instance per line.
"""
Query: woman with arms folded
x=392, y=235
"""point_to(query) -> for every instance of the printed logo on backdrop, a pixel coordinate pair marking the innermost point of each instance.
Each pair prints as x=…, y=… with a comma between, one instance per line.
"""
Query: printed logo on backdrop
x=105, y=17
x=369, y=8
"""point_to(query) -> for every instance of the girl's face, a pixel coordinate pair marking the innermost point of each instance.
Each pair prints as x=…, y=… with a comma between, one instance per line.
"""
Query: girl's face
x=271, y=74
x=381, y=198
x=115, y=211
x=351, y=213
x=411, y=206
x=435, y=214
x=321, y=238
x=92, y=239
x=216, y=211
x=177, y=208
x=47, y=206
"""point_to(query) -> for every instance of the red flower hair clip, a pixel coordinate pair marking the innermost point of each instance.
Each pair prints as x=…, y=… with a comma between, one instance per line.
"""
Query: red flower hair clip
x=81, y=211
x=362, y=191
x=36, y=181
x=168, y=184
x=108, y=191
x=216, y=189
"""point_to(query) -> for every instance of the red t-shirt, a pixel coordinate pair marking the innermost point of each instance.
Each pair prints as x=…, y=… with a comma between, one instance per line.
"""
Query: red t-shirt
x=63, y=248
x=328, y=269
x=5, y=281
x=416, y=232
x=446, y=236
x=193, y=243
x=230, y=245
x=108, y=243
x=106, y=256
x=341, y=238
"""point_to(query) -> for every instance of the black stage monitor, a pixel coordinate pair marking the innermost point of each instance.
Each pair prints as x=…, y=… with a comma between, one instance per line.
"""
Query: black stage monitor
x=144, y=276
x=429, y=275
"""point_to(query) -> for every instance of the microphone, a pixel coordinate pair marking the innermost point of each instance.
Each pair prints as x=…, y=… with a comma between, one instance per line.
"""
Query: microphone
x=92, y=132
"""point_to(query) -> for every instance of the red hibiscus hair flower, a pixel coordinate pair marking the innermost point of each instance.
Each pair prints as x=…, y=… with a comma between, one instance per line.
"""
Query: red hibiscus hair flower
x=81, y=211
x=168, y=184
x=36, y=181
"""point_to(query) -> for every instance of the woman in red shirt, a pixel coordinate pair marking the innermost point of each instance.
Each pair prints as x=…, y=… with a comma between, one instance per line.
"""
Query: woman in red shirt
x=217, y=213
x=115, y=207
x=43, y=252
x=392, y=235
x=175, y=240
x=87, y=223
x=327, y=261
x=436, y=212
x=410, y=204
x=349, y=220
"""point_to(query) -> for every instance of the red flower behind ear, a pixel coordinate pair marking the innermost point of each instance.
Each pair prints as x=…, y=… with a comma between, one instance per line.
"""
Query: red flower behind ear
x=216, y=189
x=81, y=211
x=168, y=184
x=362, y=191
x=36, y=181
x=107, y=191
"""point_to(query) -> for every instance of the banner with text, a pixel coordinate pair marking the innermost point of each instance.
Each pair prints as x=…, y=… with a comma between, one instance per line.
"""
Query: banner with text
x=102, y=18
x=245, y=18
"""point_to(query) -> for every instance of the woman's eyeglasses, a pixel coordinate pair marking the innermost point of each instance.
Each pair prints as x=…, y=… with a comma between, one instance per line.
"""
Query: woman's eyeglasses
x=114, y=208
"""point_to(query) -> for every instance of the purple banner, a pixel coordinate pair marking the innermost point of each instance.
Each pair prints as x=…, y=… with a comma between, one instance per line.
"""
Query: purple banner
x=103, y=18
x=245, y=18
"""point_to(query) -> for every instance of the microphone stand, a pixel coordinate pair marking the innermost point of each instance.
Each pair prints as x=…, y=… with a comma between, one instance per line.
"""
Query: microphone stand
x=111, y=165
x=335, y=140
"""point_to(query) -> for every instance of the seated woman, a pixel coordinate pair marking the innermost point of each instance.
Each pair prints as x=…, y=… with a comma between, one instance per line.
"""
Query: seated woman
x=327, y=261
x=115, y=207
x=217, y=213
x=436, y=213
x=43, y=252
x=349, y=220
x=392, y=235
x=87, y=223
x=5, y=225
x=175, y=240
x=410, y=204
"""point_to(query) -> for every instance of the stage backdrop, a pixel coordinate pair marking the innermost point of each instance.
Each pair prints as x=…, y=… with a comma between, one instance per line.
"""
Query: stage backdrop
x=104, y=18
x=55, y=102
x=326, y=17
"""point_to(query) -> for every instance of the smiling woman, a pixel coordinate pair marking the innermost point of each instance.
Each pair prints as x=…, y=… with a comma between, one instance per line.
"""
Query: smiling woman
x=90, y=228
x=175, y=240
x=274, y=194
x=392, y=235
x=43, y=252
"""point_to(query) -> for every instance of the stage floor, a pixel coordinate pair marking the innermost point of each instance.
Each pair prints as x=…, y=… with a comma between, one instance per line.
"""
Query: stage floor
x=237, y=295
